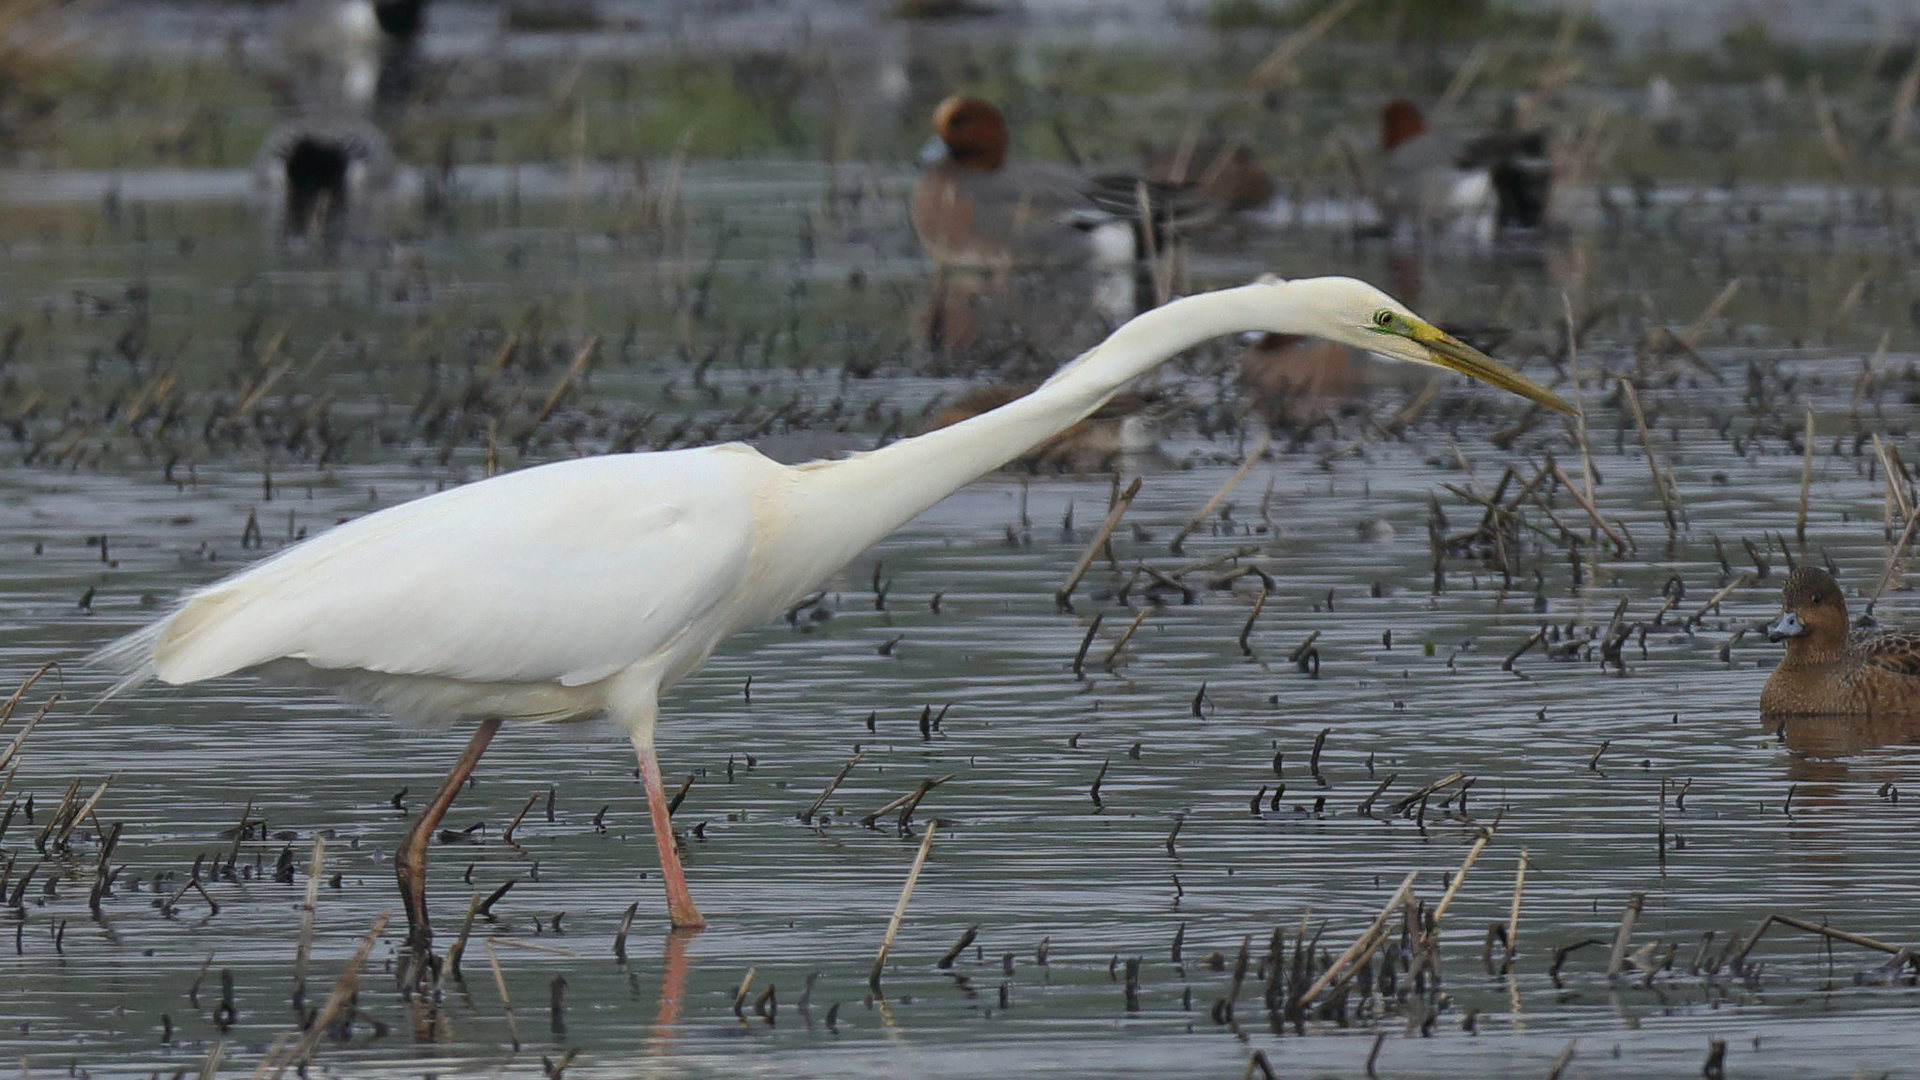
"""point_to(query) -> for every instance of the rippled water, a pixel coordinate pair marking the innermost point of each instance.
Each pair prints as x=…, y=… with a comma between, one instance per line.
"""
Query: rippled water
x=1182, y=727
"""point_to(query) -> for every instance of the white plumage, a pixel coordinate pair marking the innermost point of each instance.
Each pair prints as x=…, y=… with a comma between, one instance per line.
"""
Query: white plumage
x=588, y=587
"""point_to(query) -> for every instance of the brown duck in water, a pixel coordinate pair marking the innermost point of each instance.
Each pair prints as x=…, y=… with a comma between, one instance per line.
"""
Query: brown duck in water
x=1830, y=669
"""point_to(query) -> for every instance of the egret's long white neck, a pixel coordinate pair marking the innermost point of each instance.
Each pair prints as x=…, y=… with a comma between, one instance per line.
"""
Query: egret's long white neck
x=845, y=506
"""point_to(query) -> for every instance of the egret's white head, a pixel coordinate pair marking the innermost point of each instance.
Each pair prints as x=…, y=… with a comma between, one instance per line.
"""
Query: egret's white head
x=1355, y=313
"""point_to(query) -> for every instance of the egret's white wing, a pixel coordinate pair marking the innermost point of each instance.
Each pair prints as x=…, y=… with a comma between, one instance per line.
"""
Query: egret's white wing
x=565, y=573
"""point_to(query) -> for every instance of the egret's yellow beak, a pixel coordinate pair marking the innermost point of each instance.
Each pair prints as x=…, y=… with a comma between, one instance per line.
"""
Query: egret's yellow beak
x=1446, y=351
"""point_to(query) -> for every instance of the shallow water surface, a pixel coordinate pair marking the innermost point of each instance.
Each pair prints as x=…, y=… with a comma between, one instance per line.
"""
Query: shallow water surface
x=1238, y=791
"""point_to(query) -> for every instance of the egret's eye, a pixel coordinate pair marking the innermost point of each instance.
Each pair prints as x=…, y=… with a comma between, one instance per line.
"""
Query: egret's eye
x=1383, y=318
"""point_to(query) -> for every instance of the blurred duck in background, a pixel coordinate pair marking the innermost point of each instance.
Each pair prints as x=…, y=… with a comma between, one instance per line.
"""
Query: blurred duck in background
x=1225, y=172
x=325, y=177
x=328, y=170
x=1436, y=184
x=980, y=217
x=971, y=207
x=352, y=54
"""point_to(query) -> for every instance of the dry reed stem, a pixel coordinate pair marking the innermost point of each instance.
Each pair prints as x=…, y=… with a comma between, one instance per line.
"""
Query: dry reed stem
x=303, y=949
x=1468, y=71
x=1646, y=444
x=808, y=814
x=1836, y=147
x=1593, y=513
x=507, y=836
x=1513, y=915
x=1365, y=940
x=6, y=710
x=1895, y=557
x=1114, y=513
x=1459, y=876
x=1239, y=474
x=1900, y=122
x=13, y=749
x=344, y=988
x=500, y=984
x=900, y=909
x=466, y=931
x=1806, y=480
x=1125, y=635
x=1812, y=928
x=1281, y=58
x=566, y=381
x=1617, y=961
x=73, y=822
x=1691, y=336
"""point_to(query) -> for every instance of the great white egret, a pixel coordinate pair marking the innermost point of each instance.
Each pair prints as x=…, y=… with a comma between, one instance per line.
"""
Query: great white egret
x=586, y=588
x=1830, y=668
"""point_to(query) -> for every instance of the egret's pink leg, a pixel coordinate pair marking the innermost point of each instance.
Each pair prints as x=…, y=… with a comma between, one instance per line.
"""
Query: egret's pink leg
x=410, y=862
x=680, y=907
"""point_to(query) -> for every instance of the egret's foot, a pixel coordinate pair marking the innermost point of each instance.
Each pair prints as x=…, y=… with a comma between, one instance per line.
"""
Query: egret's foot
x=684, y=915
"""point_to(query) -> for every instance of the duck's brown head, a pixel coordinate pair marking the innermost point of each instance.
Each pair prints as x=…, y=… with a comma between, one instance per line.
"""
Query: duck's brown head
x=972, y=131
x=1400, y=121
x=1813, y=616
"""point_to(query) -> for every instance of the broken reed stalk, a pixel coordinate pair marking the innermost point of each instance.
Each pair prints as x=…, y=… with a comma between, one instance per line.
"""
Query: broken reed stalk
x=1895, y=554
x=1064, y=597
x=6, y=710
x=500, y=984
x=913, y=796
x=1714, y=600
x=1691, y=336
x=566, y=381
x=1579, y=398
x=1592, y=512
x=1459, y=876
x=344, y=988
x=1253, y=616
x=1127, y=634
x=1365, y=942
x=1513, y=915
x=1239, y=474
x=1740, y=958
x=73, y=821
x=517, y=818
x=1617, y=961
x=900, y=909
x=1566, y=1056
x=13, y=749
x=1806, y=480
x=304, y=948
x=466, y=931
x=807, y=814
x=1659, y=482
x=1080, y=657
x=1282, y=57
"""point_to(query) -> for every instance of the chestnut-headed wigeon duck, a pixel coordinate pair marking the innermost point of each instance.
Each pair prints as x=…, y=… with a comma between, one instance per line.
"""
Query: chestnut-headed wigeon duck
x=1832, y=668
x=972, y=208
x=1497, y=181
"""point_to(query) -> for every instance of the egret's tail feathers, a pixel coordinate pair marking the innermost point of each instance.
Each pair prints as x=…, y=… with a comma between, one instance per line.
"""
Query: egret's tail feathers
x=131, y=658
